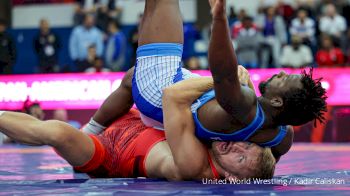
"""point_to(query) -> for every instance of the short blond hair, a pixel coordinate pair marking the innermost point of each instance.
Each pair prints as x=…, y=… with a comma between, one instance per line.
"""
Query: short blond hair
x=266, y=165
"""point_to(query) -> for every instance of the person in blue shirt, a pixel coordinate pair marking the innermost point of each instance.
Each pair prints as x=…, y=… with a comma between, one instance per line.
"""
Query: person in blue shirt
x=84, y=36
x=116, y=47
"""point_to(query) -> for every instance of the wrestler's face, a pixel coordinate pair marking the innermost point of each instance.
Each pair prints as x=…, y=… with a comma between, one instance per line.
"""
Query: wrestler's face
x=238, y=159
x=280, y=83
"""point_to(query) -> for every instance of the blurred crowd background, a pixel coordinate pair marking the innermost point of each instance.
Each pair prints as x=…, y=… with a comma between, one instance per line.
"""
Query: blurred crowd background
x=277, y=33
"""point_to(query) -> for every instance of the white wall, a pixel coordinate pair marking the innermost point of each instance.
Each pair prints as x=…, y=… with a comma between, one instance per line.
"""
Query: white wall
x=133, y=8
x=61, y=15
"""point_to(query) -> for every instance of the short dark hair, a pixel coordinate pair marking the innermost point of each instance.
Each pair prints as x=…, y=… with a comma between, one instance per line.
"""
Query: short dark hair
x=247, y=19
x=305, y=104
x=114, y=23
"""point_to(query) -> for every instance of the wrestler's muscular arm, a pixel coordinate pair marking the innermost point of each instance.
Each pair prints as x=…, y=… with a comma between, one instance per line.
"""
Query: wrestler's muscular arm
x=236, y=100
x=189, y=154
x=116, y=105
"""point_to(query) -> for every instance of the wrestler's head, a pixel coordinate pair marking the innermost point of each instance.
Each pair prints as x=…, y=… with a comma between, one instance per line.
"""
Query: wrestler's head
x=244, y=160
x=293, y=99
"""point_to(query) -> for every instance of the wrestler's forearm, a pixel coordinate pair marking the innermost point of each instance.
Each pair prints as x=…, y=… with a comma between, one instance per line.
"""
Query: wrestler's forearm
x=224, y=67
x=180, y=134
x=187, y=91
x=222, y=58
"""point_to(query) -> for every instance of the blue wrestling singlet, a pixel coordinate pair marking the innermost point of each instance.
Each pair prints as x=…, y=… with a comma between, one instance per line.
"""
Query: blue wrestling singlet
x=159, y=66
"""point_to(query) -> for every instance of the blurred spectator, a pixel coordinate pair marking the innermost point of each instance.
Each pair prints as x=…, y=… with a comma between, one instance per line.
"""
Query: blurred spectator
x=84, y=36
x=332, y=23
x=345, y=44
x=102, y=18
x=116, y=9
x=232, y=17
x=191, y=35
x=193, y=63
x=33, y=109
x=7, y=50
x=79, y=14
x=296, y=55
x=304, y=27
x=328, y=55
x=237, y=26
x=285, y=10
x=274, y=31
x=97, y=67
x=115, y=48
x=46, y=46
x=248, y=43
x=62, y=115
x=134, y=38
x=346, y=11
x=89, y=61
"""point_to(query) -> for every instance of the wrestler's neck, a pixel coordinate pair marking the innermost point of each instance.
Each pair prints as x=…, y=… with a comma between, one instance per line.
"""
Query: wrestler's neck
x=269, y=112
x=217, y=166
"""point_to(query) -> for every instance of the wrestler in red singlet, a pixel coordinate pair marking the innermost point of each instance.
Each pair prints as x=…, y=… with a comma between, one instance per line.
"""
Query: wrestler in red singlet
x=122, y=149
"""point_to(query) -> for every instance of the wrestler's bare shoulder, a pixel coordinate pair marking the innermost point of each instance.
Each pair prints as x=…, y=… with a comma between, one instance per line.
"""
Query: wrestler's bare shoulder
x=160, y=164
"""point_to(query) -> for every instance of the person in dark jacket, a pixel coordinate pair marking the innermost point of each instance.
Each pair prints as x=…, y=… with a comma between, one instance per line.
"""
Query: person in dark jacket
x=46, y=46
x=7, y=50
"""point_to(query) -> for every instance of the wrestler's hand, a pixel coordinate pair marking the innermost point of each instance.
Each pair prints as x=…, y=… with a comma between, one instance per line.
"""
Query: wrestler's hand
x=218, y=8
x=243, y=75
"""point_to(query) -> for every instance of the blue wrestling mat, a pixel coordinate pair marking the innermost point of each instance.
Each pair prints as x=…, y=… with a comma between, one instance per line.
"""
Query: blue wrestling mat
x=308, y=169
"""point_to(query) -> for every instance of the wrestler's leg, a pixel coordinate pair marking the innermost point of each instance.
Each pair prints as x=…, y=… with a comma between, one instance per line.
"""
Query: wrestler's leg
x=161, y=23
x=74, y=146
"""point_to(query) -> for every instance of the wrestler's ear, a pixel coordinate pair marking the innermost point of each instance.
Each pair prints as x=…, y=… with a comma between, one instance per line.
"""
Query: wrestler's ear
x=276, y=102
x=219, y=148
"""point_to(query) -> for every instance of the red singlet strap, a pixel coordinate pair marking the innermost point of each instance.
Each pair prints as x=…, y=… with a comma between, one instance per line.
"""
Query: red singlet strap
x=212, y=166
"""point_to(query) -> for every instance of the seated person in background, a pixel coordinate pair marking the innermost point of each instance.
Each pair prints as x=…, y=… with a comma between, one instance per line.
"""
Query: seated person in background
x=33, y=109
x=129, y=149
x=296, y=55
x=97, y=67
x=329, y=55
x=248, y=42
x=90, y=59
x=303, y=27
